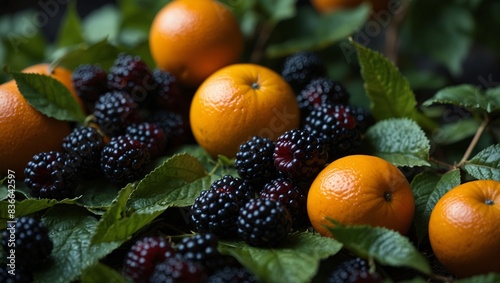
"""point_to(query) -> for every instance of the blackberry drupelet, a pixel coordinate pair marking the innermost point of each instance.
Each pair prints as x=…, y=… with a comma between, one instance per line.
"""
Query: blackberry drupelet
x=231, y=274
x=114, y=111
x=89, y=82
x=201, y=248
x=131, y=74
x=299, y=155
x=168, y=92
x=85, y=145
x=337, y=127
x=254, y=161
x=364, y=118
x=124, y=160
x=151, y=135
x=300, y=68
x=175, y=125
x=144, y=254
x=320, y=91
x=354, y=271
x=22, y=275
x=216, y=210
x=264, y=222
x=290, y=196
x=32, y=243
x=177, y=269
x=51, y=175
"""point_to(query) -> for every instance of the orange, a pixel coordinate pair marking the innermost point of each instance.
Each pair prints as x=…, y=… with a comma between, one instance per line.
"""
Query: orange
x=325, y=6
x=361, y=190
x=238, y=102
x=464, y=228
x=26, y=131
x=193, y=38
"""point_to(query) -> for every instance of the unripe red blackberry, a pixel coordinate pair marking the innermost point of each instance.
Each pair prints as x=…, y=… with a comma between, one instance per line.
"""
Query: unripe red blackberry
x=354, y=271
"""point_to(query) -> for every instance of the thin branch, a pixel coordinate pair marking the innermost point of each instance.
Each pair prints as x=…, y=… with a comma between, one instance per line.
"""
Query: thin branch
x=263, y=37
x=474, y=141
x=392, y=35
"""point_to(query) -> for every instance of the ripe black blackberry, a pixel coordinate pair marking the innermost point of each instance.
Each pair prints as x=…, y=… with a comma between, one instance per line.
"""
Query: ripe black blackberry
x=151, y=135
x=131, y=74
x=231, y=274
x=144, y=254
x=353, y=271
x=51, y=175
x=300, y=68
x=264, y=222
x=201, y=248
x=114, y=111
x=124, y=160
x=22, y=275
x=31, y=242
x=175, y=125
x=177, y=269
x=337, y=128
x=290, y=196
x=85, y=145
x=299, y=155
x=216, y=210
x=364, y=118
x=319, y=91
x=168, y=92
x=254, y=161
x=89, y=82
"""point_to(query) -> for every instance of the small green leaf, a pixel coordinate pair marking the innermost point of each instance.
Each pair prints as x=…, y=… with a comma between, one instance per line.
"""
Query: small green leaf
x=493, y=99
x=107, y=16
x=455, y=132
x=486, y=164
x=29, y=206
x=309, y=30
x=399, y=141
x=102, y=53
x=428, y=188
x=278, y=10
x=70, y=229
x=96, y=195
x=70, y=31
x=101, y=273
x=467, y=96
x=49, y=96
x=484, y=278
x=297, y=260
x=386, y=246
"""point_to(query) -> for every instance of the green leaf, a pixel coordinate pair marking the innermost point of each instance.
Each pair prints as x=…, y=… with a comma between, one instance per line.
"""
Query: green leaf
x=70, y=229
x=467, y=96
x=484, y=278
x=486, y=164
x=102, y=53
x=278, y=10
x=456, y=131
x=389, y=92
x=399, y=141
x=428, y=188
x=297, y=260
x=49, y=96
x=96, y=195
x=309, y=30
x=386, y=246
x=101, y=273
x=70, y=31
x=493, y=99
x=107, y=16
x=29, y=206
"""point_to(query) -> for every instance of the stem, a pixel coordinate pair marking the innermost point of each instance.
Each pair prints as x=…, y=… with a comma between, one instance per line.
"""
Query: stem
x=392, y=36
x=441, y=278
x=264, y=34
x=441, y=163
x=474, y=141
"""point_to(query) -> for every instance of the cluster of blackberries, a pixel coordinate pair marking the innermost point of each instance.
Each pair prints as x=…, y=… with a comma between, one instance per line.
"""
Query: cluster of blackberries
x=353, y=271
x=138, y=114
x=27, y=245
x=192, y=260
x=324, y=105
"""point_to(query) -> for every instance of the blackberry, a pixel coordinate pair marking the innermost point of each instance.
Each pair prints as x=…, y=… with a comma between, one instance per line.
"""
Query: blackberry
x=254, y=161
x=22, y=275
x=31, y=243
x=175, y=125
x=176, y=269
x=354, y=270
x=231, y=274
x=89, y=82
x=51, y=175
x=264, y=222
x=144, y=254
x=114, y=111
x=151, y=135
x=300, y=68
x=131, y=74
x=168, y=92
x=299, y=156
x=124, y=160
x=319, y=91
x=216, y=210
x=337, y=127
x=289, y=195
x=201, y=248
x=364, y=118
x=85, y=145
